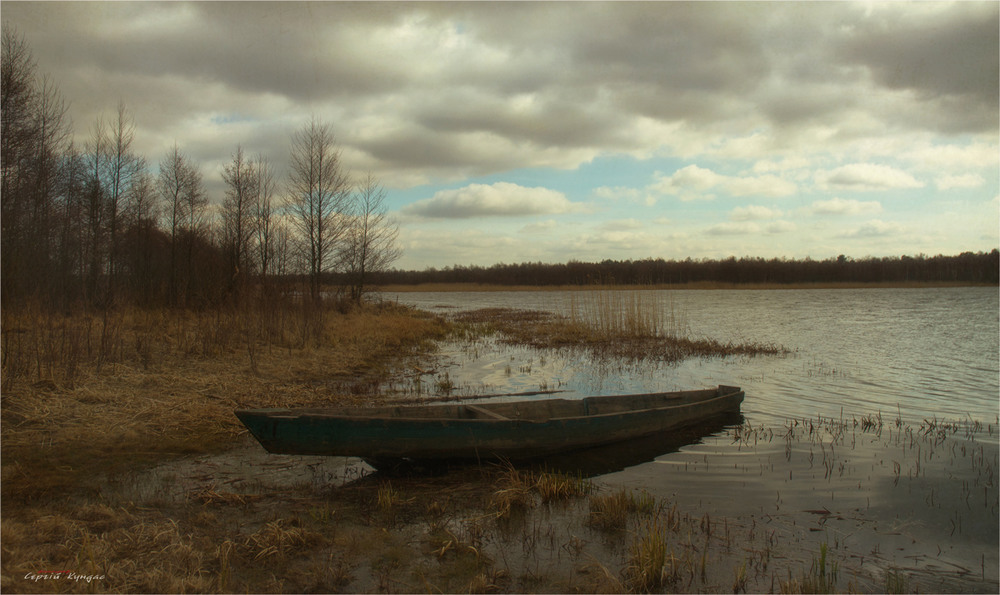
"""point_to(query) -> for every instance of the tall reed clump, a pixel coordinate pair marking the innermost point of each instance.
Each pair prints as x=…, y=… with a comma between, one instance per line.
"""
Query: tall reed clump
x=647, y=567
x=619, y=324
x=619, y=313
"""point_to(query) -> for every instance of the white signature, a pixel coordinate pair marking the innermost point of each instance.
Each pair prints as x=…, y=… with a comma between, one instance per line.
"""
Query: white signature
x=61, y=575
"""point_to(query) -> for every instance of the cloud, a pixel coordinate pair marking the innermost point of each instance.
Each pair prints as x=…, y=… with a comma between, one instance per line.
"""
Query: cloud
x=424, y=92
x=693, y=183
x=902, y=49
x=753, y=212
x=952, y=156
x=621, y=225
x=961, y=181
x=875, y=228
x=744, y=228
x=501, y=199
x=540, y=227
x=840, y=206
x=866, y=176
x=734, y=228
x=776, y=227
x=780, y=165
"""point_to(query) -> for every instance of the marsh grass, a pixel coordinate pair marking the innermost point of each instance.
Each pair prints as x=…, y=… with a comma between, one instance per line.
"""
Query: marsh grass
x=610, y=325
x=821, y=578
x=647, y=566
x=611, y=314
x=612, y=511
x=517, y=489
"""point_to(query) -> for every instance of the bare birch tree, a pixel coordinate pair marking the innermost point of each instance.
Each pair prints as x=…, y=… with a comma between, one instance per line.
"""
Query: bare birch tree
x=265, y=222
x=96, y=157
x=238, y=209
x=179, y=186
x=124, y=169
x=371, y=245
x=318, y=192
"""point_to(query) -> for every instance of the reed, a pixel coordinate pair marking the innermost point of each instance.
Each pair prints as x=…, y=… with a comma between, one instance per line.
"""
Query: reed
x=617, y=325
x=561, y=486
x=615, y=314
x=514, y=494
x=387, y=502
x=821, y=578
x=646, y=568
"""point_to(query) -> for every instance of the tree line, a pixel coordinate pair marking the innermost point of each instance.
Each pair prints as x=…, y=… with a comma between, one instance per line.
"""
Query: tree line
x=99, y=225
x=968, y=267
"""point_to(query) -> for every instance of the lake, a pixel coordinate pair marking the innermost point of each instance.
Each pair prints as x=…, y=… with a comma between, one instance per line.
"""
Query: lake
x=875, y=437
x=914, y=353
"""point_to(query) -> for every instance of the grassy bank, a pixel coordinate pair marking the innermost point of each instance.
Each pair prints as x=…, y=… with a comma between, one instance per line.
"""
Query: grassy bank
x=88, y=394
x=483, y=287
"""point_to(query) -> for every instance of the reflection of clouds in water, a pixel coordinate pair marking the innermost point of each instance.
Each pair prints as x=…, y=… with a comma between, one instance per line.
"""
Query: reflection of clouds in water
x=492, y=367
x=922, y=501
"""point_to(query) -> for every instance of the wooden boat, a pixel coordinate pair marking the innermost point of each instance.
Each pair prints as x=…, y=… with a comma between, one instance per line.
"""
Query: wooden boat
x=517, y=430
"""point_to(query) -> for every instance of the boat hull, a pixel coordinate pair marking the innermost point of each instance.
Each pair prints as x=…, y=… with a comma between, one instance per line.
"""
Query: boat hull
x=520, y=430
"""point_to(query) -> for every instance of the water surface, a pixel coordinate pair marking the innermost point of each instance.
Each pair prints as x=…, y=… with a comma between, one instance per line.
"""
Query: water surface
x=914, y=353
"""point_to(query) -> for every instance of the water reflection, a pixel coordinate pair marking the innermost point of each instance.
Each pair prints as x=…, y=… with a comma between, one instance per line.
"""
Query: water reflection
x=601, y=460
x=588, y=462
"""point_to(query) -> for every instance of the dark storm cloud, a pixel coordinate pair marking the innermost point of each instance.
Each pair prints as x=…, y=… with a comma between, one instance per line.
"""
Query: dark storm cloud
x=483, y=87
x=957, y=53
x=950, y=58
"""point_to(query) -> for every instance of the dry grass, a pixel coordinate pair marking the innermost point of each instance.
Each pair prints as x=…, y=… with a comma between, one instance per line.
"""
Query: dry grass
x=647, y=566
x=517, y=489
x=95, y=393
x=612, y=511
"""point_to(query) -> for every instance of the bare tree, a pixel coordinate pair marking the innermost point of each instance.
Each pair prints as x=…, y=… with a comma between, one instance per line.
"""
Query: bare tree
x=238, y=214
x=179, y=186
x=264, y=188
x=371, y=245
x=95, y=159
x=195, y=207
x=318, y=193
x=71, y=260
x=34, y=134
x=141, y=215
x=124, y=168
x=17, y=97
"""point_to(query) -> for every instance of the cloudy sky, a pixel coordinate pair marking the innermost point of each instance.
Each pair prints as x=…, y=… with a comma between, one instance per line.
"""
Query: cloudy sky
x=512, y=132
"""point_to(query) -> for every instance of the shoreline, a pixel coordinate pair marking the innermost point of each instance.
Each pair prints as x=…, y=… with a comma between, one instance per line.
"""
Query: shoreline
x=697, y=286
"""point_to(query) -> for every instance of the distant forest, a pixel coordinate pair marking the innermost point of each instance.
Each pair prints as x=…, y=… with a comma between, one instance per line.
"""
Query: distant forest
x=968, y=267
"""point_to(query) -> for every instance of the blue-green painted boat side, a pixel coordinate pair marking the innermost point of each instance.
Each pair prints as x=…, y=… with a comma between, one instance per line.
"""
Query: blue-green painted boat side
x=524, y=429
